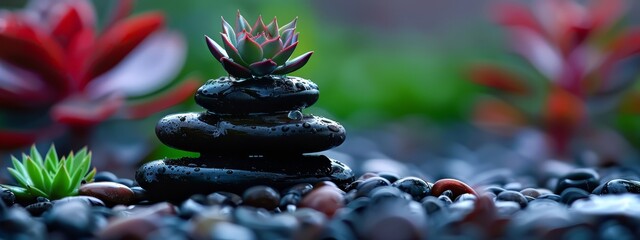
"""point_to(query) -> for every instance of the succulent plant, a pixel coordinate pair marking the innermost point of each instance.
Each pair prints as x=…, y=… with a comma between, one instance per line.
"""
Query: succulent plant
x=55, y=60
x=259, y=50
x=50, y=177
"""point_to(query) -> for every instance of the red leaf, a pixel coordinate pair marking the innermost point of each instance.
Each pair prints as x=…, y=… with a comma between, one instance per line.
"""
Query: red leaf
x=497, y=116
x=67, y=27
x=79, y=50
x=10, y=139
x=82, y=111
x=119, y=40
x=498, y=78
x=516, y=15
x=27, y=48
x=164, y=100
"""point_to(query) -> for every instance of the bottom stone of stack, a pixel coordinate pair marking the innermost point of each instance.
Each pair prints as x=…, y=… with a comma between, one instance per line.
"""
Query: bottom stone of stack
x=176, y=179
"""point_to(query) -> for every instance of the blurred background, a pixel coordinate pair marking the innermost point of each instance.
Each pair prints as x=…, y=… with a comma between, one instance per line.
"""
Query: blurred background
x=395, y=73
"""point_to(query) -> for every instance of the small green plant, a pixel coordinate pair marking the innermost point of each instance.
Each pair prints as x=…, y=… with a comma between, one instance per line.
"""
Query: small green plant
x=259, y=50
x=50, y=177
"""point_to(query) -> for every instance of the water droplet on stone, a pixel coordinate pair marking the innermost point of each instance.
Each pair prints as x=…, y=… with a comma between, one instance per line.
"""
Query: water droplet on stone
x=295, y=115
x=182, y=118
x=192, y=165
x=229, y=171
x=306, y=125
x=333, y=128
x=197, y=169
x=285, y=128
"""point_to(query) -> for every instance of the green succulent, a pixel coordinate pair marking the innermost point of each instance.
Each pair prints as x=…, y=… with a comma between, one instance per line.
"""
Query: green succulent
x=259, y=50
x=50, y=177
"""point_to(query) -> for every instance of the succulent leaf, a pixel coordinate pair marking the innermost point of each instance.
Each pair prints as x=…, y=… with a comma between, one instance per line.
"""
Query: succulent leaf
x=259, y=26
x=19, y=167
x=35, y=155
x=90, y=175
x=271, y=47
x=34, y=173
x=235, y=69
x=260, y=50
x=294, y=64
x=249, y=50
x=227, y=29
x=273, y=28
x=216, y=50
x=47, y=180
x=232, y=51
x=53, y=178
x=290, y=25
x=263, y=68
x=242, y=23
x=60, y=182
x=37, y=192
x=286, y=36
x=281, y=57
x=51, y=160
x=19, y=177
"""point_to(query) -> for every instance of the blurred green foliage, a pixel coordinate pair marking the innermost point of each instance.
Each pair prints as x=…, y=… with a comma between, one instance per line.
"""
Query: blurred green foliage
x=365, y=78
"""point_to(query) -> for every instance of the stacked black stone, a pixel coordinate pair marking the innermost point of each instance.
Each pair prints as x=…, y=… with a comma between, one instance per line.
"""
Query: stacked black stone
x=252, y=133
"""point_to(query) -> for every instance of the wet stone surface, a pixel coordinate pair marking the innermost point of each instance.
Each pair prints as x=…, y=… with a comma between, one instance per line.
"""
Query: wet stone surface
x=259, y=134
x=187, y=176
x=261, y=95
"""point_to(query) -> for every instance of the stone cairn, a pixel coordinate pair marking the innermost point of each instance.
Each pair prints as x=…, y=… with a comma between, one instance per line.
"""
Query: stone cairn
x=252, y=133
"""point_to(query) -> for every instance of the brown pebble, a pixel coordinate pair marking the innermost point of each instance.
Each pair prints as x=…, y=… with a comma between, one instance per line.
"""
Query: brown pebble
x=325, y=199
x=325, y=183
x=457, y=187
x=367, y=176
x=531, y=192
x=135, y=227
x=261, y=197
x=110, y=193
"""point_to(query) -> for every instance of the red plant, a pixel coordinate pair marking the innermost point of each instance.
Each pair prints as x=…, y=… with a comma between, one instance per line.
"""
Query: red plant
x=59, y=73
x=587, y=59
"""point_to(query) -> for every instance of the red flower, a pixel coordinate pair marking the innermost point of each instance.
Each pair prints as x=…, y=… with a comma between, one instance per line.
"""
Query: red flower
x=54, y=61
x=587, y=61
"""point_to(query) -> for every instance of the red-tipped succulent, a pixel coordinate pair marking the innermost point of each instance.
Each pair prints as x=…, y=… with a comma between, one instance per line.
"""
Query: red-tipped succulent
x=259, y=50
x=587, y=60
x=55, y=62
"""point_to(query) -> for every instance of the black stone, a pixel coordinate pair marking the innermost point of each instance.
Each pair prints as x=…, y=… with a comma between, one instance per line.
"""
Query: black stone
x=224, y=198
x=432, y=204
x=570, y=195
x=249, y=135
x=87, y=200
x=618, y=186
x=300, y=189
x=586, y=179
x=105, y=176
x=187, y=176
x=260, y=95
x=369, y=184
x=290, y=199
x=37, y=209
x=513, y=196
x=392, y=177
x=387, y=192
x=7, y=196
x=416, y=187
